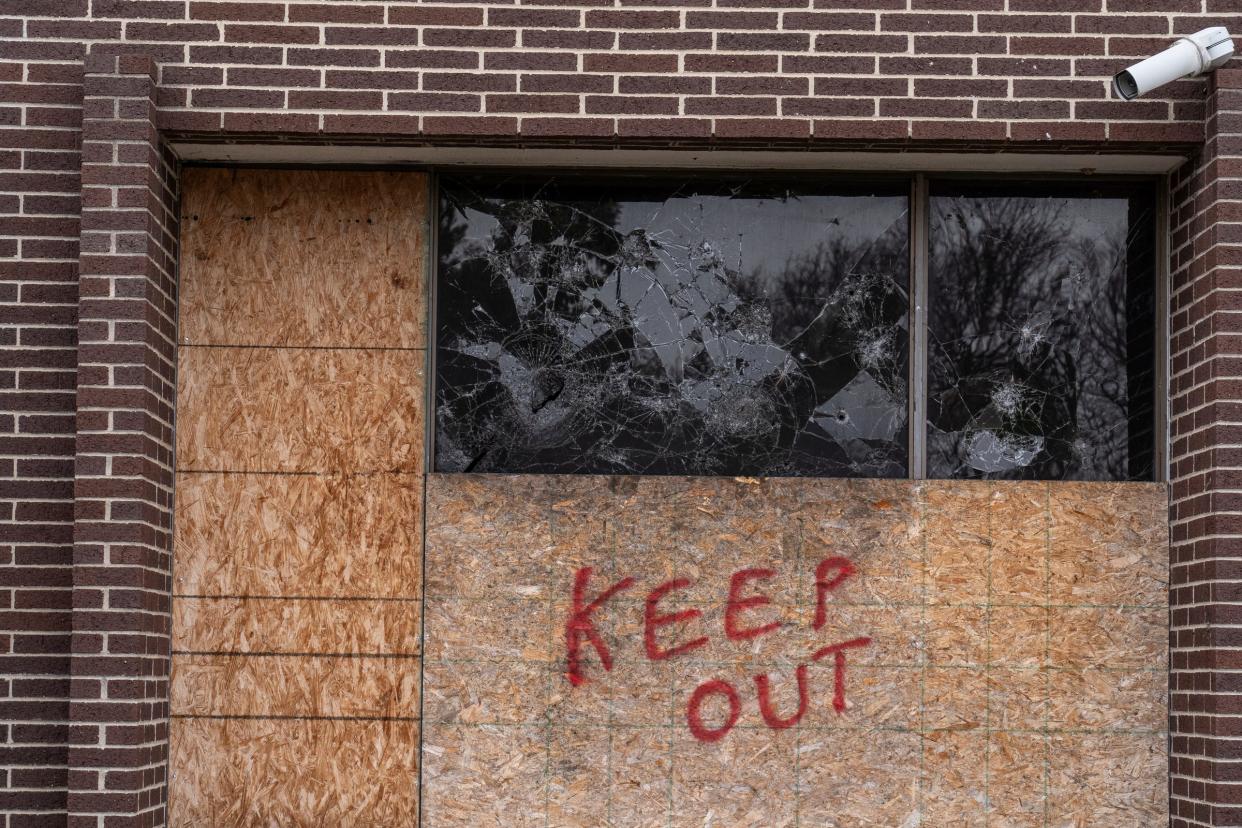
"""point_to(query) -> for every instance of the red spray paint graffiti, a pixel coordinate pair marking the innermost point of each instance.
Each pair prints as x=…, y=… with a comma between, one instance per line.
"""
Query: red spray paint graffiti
x=829, y=575
x=580, y=626
x=770, y=718
x=738, y=604
x=708, y=688
x=652, y=620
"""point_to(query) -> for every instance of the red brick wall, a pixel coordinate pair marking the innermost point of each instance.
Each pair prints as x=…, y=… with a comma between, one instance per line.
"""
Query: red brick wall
x=123, y=480
x=982, y=70
x=824, y=73
x=1206, y=473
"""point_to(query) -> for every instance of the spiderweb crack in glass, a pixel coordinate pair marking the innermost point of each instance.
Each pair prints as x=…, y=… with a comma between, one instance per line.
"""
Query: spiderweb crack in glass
x=1041, y=359
x=702, y=328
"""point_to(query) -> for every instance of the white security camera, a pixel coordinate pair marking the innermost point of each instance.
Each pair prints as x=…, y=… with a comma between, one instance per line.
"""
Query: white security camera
x=1197, y=54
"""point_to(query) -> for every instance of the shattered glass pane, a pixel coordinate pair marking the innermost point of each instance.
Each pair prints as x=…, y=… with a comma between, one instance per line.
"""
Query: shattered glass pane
x=1041, y=359
x=628, y=326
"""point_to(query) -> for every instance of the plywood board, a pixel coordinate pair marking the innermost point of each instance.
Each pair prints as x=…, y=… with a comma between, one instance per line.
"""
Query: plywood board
x=297, y=625
x=985, y=668
x=1097, y=531
x=1102, y=779
x=343, y=535
x=294, y=685
x=298, y=533
x=303, y=258
x=311, y=773
x=281, y=410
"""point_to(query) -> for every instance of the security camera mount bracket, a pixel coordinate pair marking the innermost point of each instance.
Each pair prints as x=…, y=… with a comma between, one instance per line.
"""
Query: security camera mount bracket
x=1214, y=46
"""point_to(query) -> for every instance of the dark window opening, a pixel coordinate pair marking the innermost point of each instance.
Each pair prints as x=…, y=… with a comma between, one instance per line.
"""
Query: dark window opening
x=1041, y=349
x=618, y=325
x=696, y=328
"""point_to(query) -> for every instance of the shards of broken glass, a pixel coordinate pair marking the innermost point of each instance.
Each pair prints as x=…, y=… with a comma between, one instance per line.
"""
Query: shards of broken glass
x=678, y=332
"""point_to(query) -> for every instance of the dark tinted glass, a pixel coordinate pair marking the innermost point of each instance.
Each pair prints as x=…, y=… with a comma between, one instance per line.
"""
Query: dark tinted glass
x=1041, y=362
x=671, y=327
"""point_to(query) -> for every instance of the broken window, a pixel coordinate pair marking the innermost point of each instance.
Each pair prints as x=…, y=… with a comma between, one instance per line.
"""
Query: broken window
x=626, y=325
x=657, y=327
x=1042, y=317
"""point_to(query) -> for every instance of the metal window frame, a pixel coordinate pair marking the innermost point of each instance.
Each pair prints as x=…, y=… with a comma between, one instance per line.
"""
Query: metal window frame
x=1164, y=348
x=916, y=467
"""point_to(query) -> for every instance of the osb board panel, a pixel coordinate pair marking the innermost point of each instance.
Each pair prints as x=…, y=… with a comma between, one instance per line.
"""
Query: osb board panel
x=296, y=625
x=289, y=410
x=294, y=685
x=998, y=687
x=293, y=773
x=303, y=258
x=344, y=535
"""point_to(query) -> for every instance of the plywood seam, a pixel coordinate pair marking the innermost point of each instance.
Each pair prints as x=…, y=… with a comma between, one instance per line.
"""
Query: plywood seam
x=920, y=495
x=987, y=740
x=278, y=717
x=280, y=597
x=1047, y=653
x=242, y=346
x=741, y=726
x=880, y=665
x=294, y=654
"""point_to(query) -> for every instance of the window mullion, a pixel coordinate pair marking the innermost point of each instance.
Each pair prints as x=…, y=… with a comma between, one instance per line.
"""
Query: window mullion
x=919, y=205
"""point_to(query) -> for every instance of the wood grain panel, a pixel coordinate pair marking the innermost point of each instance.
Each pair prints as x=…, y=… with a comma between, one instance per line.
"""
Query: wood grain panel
x=1097, y=533
x=279, y=410
x=955, y=779
x=295, y=773
x=692, y=528
x=747, y=782
x=1105, y=779
x=957, y=527
x=1120, y=700
x=294, y=685
x=485, y=775
x=283, y=625
x=304, y=258
x=987, y=668
x=298, y=535
x=841, y=777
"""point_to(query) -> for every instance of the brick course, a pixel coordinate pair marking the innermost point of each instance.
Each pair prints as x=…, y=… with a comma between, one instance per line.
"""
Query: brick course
x=847, y=51
x=988, y=74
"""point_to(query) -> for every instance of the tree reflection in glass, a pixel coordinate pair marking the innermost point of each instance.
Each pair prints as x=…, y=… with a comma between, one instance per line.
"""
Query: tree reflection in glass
x=705, y=328
x=1041, y=360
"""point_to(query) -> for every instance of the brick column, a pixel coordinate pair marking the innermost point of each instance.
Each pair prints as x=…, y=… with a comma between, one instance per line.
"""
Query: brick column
x=123, y=475
x=1205, y=762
